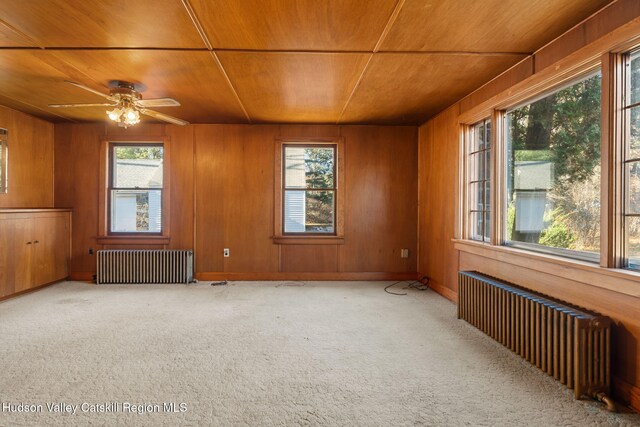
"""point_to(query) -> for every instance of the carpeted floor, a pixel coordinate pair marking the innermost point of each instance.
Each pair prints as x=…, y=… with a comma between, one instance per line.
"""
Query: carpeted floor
x=266, y=353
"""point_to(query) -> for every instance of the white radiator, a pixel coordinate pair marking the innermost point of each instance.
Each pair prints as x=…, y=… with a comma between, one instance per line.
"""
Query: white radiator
x=144, y=266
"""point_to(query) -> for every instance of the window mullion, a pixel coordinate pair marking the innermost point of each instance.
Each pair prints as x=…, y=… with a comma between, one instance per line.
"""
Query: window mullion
x=498, y=189
x=476, y=184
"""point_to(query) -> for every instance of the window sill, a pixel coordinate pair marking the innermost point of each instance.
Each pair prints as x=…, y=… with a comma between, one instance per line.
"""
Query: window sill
x=613, y=279
x=308, y=240
x=133, y=240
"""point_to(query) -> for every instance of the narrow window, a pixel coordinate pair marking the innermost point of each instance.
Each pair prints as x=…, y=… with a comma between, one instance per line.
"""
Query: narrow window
x=4, y=148
x=309, y=189
x=553, y=172
x=135, y=188
x=631, y=128
x=479, y=149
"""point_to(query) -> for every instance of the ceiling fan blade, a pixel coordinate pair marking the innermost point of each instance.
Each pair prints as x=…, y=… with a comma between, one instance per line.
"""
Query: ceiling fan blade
x=157, y=102
x=163, y=117
x=110, y=98
x=79, y=105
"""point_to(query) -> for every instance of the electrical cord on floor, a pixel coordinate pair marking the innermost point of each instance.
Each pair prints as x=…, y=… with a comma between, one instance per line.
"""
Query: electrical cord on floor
x=222, y=283
x=291, y=283
x=419, y=285
x=423, y=284
x=393, y=284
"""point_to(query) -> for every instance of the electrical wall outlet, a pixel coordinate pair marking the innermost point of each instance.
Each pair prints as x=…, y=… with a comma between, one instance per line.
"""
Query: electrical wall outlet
x=227, y=252
x=404, y=253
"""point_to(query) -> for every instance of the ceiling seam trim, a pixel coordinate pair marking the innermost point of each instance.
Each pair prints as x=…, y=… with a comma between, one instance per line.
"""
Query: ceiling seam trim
x=196, y=23
x=383, y=35
x=17, y=31
x=390, y=22
x=575, y=26
x=532, y=56
x=355, y=87
x=61, y=61
x=36, y=108
x=270, y=51
x=233, y=89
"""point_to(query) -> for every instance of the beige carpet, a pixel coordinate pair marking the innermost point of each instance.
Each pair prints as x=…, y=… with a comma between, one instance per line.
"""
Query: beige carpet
x=269, y=353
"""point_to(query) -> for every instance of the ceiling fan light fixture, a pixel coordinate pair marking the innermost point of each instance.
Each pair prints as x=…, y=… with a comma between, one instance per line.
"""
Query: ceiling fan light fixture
x=124, y=115
x=114, y=114
x=131, y=116
x=127, y=104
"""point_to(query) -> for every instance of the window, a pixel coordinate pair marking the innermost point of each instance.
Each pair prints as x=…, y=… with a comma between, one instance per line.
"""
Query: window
x=135, y=188
x=479, y=149
x=631, y=120
x=3, y=159
x=309, y=189
x=553, y=172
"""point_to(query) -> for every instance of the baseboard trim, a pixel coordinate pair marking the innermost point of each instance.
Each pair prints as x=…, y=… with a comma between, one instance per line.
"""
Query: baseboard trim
x=305, y=276
x=445, y=292
x=214, y=275
x=28, y=291
x=627, y=393
x=82, y=276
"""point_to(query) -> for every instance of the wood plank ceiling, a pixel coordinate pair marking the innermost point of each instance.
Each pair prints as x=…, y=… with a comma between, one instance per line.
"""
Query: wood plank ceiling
x=271, y=61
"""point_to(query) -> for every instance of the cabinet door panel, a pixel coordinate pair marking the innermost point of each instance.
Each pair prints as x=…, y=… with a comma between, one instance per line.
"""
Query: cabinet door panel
x=15, y=255
x=51, y=248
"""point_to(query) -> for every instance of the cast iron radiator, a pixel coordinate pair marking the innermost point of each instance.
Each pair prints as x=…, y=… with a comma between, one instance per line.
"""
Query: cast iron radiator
x=145, y=266
x=570, y=344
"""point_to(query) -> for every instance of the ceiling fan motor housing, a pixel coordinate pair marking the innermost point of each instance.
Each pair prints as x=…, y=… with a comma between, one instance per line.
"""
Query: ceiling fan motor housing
x=125, y=93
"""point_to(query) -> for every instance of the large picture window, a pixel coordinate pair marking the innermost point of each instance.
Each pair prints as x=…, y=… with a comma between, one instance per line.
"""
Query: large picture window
x=553, y=171
x=631, y=116
x=309, y=189
x=135, y=188
x=479, y=149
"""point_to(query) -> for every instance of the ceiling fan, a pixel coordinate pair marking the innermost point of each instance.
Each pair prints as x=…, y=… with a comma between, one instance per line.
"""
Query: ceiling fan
x=127, y=103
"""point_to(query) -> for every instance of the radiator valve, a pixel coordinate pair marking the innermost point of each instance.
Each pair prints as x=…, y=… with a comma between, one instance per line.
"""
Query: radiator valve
x=602, y=397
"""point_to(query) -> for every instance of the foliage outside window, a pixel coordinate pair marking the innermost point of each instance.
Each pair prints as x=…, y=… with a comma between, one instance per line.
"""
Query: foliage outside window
x=553, y=171
x=136, y=185
x=632, y=161
x=309, y=189
x=479, y=149
x=3, y=159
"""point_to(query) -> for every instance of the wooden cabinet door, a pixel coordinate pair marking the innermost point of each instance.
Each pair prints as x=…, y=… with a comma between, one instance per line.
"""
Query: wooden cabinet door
x=51, y=248
x=16, y=250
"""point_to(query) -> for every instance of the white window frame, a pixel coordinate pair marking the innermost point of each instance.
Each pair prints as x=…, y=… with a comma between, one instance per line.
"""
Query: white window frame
x=305, y=190
x=111, y=188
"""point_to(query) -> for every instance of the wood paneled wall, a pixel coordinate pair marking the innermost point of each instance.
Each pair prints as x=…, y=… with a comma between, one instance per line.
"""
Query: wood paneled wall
x=31, y=161
x=439, y=144
x=222, y=196
x=438, y=171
